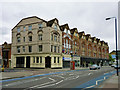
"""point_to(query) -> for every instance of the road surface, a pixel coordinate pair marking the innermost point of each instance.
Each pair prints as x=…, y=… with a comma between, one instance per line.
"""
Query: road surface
x=68, y=79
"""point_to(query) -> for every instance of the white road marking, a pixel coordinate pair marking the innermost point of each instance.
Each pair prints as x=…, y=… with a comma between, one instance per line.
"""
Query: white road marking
x=51, y=79
x=44, y=83
x=58, y=76
x=89, y=73
x=59, y=82
x=71, y=74
x=89, y=87
x=50, y=84
x=22, y=82
x=70, y=78
x=46, y=86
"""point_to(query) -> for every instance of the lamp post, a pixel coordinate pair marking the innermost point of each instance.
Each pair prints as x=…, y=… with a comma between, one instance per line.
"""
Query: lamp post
x=116, y=40
x=71, y=53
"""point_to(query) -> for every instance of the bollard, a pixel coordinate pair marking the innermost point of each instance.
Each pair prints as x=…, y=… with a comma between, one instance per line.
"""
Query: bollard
x=104, y=78
x=96, y=83
x=2, y=69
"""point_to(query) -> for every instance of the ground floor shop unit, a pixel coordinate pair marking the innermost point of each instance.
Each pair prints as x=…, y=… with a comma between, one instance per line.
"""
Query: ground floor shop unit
x=68, y=58
x=66, y=61
x=87, y=61
x=37, y=61
x=77, y=60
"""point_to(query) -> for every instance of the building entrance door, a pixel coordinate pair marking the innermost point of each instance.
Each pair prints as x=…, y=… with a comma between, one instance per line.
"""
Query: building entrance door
x=47, y=62
x=28, y=62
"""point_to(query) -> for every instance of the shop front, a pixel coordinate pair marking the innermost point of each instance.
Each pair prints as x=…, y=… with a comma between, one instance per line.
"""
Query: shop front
x=77, y=60
x=66, y=61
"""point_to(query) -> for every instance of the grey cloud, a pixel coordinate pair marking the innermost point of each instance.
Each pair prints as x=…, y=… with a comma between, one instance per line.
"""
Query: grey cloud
x=89, y=16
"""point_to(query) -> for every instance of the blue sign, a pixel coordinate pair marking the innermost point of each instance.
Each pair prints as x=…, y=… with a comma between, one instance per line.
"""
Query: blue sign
x=66, y=59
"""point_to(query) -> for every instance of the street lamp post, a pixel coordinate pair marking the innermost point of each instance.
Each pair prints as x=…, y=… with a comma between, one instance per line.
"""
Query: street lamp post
x=71, y=53
x=116, y=40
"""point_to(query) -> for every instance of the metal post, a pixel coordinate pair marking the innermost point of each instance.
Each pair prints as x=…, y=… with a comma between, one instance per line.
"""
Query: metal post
x=116, y=45
x=116, y=41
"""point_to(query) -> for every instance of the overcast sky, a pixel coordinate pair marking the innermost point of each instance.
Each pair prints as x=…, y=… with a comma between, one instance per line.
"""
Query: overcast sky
x=85, y=16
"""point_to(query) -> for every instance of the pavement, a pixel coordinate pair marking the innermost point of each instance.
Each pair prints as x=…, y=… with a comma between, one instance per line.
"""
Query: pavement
x=111, y=82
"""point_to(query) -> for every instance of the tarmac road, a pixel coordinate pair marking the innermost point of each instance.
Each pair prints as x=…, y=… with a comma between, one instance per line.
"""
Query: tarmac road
x=70, y=79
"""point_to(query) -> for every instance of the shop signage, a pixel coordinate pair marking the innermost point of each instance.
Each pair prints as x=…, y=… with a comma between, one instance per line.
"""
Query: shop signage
x=66, y=59
x=76, y=58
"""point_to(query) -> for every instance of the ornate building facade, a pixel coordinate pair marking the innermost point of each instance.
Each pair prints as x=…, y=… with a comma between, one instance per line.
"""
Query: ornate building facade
x=37, y=43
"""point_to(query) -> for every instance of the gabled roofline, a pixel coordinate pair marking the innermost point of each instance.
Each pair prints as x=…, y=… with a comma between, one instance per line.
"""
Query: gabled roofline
x=62, y=27
x=28, y=18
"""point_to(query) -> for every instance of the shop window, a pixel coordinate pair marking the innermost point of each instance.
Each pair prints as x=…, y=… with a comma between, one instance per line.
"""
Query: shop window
x=40, y=59
x=33, y=59
x=37, y=59
x=54, y=59
x=58, y=59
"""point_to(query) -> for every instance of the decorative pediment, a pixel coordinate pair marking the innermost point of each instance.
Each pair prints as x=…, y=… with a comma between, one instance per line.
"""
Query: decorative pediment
x=90, y=39
x=30, y=33
x=55, y=26
x=18, y=34
x=83, y=37
x=55, y=32
x=67, y=36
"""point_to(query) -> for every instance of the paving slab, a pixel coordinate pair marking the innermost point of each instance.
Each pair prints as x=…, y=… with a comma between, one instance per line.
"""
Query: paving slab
x=112, y=82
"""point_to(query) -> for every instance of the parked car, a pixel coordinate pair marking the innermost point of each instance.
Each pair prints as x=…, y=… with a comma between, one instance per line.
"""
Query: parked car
x=113, y=65
x=117, y=66
x=94, y=67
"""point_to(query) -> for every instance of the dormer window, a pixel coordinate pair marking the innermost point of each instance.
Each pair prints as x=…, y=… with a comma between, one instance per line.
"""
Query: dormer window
x=67, y=31
x=18, y=29
x=75, y=34
x=40, y=26
x=24, y=28
x=55, y=27
x=75, y=44
x=30, y=27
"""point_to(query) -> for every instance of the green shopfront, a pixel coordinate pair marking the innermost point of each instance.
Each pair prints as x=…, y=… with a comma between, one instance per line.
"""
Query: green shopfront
x=77, y=60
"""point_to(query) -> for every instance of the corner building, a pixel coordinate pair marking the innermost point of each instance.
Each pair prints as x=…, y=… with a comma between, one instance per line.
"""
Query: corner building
x=36, y=43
